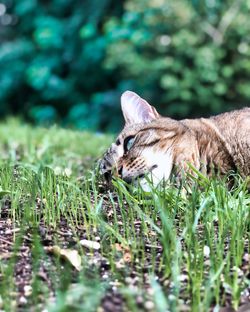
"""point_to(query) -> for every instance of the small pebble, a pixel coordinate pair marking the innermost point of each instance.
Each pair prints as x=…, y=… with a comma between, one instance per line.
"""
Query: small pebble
x=149, y=305
x=27, y=290
x=90, y=244
x=23, y=300
x=105, y=276
x=206, y=251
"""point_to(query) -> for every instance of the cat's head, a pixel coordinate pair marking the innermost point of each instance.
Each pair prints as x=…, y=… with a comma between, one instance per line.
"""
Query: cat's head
x=145, y=145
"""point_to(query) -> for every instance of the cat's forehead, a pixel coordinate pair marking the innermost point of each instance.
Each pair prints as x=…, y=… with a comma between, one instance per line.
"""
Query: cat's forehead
x=155, y=125
x=131, y=130
x=161, y=128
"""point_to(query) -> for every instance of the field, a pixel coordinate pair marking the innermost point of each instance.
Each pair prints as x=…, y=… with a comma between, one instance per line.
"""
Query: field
x=69, y=243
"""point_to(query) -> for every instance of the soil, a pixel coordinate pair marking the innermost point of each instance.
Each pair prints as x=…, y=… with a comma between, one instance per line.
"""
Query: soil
x=63, y=236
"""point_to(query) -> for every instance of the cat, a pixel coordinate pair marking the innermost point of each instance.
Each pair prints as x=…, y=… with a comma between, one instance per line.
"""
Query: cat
x=161, y=146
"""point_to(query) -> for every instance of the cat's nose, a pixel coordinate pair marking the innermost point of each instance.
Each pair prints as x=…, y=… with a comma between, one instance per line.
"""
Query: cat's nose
x=120, y=171
x=105, y=170
x=107, y=176
x=102, y=166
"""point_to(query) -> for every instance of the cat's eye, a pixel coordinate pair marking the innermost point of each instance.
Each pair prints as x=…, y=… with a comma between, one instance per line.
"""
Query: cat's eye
x=128, y=143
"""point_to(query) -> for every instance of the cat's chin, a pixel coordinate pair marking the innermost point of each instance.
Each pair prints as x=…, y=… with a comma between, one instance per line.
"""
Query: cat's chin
x=149, y=186
x=151, y=180
x=148, y=183
x=145, y=185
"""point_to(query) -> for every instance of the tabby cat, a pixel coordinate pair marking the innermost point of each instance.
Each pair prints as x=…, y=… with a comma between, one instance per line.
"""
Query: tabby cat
x=156, y=145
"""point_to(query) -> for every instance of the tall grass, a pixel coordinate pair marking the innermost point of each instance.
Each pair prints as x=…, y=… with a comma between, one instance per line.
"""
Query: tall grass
x=162, y=250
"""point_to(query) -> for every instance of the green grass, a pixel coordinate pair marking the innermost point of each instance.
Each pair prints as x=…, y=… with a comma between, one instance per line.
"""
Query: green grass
x=168, y=250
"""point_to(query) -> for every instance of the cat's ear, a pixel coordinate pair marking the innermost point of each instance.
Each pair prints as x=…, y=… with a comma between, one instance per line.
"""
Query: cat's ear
x=137, y=110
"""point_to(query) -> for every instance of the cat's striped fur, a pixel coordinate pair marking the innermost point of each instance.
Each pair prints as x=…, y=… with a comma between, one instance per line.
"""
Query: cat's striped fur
x=156, y=144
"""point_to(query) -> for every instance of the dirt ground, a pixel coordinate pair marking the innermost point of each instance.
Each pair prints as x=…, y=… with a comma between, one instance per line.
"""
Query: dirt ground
x=113, y=300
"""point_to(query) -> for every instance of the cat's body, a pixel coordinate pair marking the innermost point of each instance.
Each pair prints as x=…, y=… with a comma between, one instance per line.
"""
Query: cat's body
x=151, y=143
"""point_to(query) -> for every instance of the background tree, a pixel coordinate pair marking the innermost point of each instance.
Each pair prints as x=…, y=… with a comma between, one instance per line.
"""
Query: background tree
x=69, y=60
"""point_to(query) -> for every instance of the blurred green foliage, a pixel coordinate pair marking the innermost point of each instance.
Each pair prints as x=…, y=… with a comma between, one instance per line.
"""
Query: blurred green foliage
x=68, y=61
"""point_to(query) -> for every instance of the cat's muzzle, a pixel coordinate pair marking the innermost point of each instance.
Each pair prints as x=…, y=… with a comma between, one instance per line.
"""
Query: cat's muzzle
x=105, y=170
